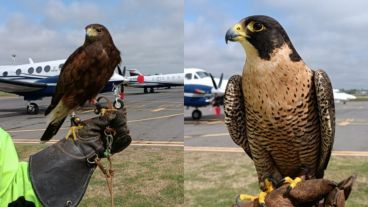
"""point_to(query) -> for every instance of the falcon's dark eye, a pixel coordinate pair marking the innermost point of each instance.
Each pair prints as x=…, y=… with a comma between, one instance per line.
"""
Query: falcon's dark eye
x=98, y=30
x=256, y=26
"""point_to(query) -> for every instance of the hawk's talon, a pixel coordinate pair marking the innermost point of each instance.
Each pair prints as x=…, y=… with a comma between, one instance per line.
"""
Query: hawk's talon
x=292, y=182
x=103, y=111
x=72, y=131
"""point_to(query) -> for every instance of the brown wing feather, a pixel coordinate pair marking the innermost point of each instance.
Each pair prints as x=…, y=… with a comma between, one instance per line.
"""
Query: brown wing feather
x=234, y=111
x=326, y=108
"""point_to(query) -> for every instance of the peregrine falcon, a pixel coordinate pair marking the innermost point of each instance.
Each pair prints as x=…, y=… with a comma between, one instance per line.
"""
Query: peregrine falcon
x=279, y=111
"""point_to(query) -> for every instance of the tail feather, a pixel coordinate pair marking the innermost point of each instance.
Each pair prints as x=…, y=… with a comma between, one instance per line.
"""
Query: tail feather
x=52, y=129
x=49, y=109
x=55, y=118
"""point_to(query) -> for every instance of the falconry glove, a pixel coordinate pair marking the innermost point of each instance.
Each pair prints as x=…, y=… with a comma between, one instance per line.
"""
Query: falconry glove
x=60, y=173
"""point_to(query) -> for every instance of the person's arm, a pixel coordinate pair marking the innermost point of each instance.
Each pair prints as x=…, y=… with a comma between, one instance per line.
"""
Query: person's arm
x=15, y=186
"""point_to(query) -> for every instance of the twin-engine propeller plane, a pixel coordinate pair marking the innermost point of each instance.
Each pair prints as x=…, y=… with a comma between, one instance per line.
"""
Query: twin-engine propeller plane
x=34, y=81
x=137, y=80
x=202, y=89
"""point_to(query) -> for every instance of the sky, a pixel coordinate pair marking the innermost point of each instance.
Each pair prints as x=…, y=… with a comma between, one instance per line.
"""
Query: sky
x=149, y=33
x=329, y=35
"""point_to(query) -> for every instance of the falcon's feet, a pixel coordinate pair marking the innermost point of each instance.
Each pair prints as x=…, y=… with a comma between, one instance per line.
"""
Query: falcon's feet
x=261, y=196
x=292, y=182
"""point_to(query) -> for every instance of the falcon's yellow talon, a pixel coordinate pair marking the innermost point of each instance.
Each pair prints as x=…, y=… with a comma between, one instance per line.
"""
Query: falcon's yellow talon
x=292, y=182
x=246, y=197
x=262, y=197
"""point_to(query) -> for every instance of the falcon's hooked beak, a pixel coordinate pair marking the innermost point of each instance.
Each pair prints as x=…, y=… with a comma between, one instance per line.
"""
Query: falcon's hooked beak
x=235, y=33
x=91, y=32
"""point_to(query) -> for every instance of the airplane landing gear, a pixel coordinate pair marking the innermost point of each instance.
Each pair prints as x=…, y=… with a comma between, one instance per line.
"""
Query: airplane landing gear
x=145, y=90
x=152, y=90
x=196, y=114
x=32, y=108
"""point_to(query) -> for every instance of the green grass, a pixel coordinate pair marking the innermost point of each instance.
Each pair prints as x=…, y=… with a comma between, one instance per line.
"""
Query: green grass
x=144, y=176
x=361, y=98
x=5, y=94
x=215, y=178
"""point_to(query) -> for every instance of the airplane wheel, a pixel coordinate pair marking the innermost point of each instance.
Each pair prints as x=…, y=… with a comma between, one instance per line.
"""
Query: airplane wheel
x=118, y=104
x=32, y=108
x=152, y=90
x=196, y=114
x=145, y=90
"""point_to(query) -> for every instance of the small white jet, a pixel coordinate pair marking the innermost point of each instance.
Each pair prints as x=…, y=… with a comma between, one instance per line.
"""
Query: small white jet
x=34, y=81
x=138, y=80
x=342, y=97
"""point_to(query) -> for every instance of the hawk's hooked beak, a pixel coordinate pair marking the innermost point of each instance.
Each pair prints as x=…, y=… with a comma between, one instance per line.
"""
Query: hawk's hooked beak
x=235, y=33
x=91, y=32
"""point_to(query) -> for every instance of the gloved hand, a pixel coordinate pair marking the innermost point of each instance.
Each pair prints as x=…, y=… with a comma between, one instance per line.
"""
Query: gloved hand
x=60, y=173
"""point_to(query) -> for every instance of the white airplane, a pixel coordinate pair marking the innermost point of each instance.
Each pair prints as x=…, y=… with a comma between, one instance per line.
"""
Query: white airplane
x=138, y=80
x=342, y=97
x=202, y=89
x=34, y=81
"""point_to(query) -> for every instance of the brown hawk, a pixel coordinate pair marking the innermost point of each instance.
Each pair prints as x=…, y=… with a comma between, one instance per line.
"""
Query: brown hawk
x=82, y=77
x=279, y=111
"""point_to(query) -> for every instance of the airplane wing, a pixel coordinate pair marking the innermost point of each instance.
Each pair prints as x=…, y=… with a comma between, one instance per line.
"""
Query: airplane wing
x=13, y=86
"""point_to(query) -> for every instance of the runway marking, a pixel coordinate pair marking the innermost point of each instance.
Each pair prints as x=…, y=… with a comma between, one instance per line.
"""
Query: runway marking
x=206, y=135
x=132, y=121
x=345, y=122
x=153, y=118
x=8, y=97
x=240, y=150
x=158, y=109
x=215, y=135
x=134, y=143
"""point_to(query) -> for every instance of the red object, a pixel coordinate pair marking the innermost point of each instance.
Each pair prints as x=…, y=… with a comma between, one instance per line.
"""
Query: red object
x=217, y=110
x=140, y=78
x=122, y=95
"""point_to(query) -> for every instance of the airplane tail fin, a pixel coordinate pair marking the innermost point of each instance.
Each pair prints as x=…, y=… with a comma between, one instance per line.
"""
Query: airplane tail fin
x=134, y=72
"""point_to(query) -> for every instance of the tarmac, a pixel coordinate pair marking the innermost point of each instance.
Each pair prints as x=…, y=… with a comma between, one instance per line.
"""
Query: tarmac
x=155, y=118
x=210, y=132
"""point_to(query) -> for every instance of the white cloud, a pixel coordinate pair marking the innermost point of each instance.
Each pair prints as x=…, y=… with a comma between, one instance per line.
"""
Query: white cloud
x=149, y=33
x=327, y=34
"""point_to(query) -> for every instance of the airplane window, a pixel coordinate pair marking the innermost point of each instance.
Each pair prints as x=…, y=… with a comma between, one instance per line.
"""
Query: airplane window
x=47, y=68
x=39, y=69
x=188, y=76
x=195, y=77
x=30, y=70
x=202, y=74
x=61, y=66
x=5, y=73
x=18, y=71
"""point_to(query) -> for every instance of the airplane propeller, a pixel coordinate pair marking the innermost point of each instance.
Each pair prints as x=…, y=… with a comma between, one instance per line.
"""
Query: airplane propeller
x=218, y=100
x=216, y=86
x=121, y=73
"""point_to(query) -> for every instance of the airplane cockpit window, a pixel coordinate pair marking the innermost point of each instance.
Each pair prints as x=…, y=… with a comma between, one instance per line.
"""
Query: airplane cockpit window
x=202, y=74
x=39, y=69
x=47, y=68
x=18, y=71
x=61, y=66
x=195, y=76
x=30, y=70
x=5, y=73
x=188, y=76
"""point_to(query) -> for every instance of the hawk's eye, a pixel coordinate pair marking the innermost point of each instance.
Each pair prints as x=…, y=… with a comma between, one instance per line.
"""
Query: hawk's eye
x=256, y=26
x=98, y=30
